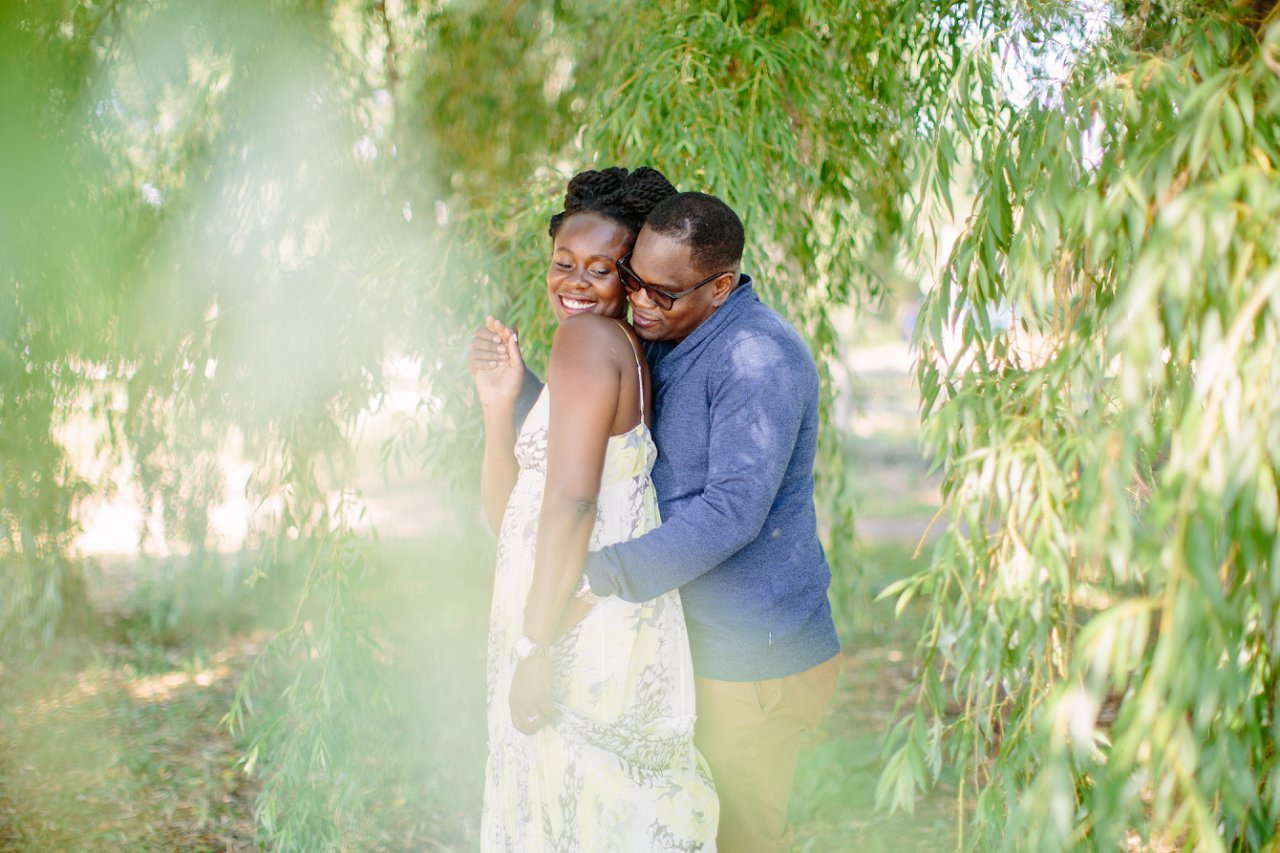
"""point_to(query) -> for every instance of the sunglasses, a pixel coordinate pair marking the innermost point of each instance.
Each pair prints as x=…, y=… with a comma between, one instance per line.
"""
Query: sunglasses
x=664, y=299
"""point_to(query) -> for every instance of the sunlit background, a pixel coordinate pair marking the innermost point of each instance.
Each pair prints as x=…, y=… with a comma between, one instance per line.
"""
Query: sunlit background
x=244, y=579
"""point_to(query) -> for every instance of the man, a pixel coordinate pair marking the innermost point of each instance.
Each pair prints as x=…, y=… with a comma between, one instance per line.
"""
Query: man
x=736, y=424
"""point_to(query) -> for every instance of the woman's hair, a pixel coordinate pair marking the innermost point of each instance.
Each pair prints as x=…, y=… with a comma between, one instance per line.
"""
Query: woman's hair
x=624, y=197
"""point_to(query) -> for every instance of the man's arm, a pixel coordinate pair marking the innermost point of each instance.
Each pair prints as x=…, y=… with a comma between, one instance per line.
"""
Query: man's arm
x=757, y=406
x=529, y=391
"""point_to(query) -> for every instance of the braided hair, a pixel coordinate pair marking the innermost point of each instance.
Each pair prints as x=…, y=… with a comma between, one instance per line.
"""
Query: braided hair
x=624, y=197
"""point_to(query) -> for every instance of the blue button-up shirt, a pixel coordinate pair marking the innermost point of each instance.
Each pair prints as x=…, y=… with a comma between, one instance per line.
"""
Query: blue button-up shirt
x=736, y=424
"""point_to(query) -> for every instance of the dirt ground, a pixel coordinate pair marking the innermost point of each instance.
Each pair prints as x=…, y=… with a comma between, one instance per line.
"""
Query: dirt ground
x=105, y=746
x=117, y=742
x=112, y=739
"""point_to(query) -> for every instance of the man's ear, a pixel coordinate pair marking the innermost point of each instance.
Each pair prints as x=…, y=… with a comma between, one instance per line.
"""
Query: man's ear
x=722, y=287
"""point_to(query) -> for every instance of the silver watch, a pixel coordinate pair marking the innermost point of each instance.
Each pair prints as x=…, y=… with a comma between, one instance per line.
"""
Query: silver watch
x=526, y=648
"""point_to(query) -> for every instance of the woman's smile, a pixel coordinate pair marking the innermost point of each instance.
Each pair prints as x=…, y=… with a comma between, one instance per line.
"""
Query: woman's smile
x=577, y=305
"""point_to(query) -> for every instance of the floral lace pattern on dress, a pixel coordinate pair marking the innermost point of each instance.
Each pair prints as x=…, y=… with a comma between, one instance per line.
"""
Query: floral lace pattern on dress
x=617, y=770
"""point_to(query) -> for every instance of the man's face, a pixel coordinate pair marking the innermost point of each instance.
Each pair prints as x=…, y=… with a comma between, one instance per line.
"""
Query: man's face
x=665, y=262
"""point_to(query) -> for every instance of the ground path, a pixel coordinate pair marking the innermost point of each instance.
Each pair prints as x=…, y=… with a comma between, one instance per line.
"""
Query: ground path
x=114, y=740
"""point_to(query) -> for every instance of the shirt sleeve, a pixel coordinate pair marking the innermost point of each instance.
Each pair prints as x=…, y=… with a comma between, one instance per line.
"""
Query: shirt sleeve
x=758, y=401
x=530, y=388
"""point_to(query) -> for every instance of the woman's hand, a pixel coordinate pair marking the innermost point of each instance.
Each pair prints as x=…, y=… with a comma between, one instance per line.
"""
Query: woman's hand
x=497, y=366
x=531, y=706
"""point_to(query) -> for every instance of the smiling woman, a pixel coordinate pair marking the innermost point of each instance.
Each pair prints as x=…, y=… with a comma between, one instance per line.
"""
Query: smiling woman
x=590, y=700
x=583, y=276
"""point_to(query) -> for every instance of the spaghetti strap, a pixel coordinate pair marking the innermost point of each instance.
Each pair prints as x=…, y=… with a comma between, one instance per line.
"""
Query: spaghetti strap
x=639, y=372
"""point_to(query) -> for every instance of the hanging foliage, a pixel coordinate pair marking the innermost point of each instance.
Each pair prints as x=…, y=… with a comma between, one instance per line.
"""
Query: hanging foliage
x=218, y=223
x=1098, y=366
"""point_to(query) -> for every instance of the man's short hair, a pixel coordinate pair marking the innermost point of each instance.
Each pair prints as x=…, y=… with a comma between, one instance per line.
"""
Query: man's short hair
x=705, y=224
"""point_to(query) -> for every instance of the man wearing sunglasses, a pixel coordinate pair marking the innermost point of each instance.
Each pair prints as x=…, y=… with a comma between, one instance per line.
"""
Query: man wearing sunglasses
x=736, y=425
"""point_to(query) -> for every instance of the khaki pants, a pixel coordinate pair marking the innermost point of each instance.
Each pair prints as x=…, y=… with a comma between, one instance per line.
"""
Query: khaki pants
x=750, y=733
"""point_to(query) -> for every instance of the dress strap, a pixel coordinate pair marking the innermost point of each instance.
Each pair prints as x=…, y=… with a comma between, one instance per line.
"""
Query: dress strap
x=639, y=372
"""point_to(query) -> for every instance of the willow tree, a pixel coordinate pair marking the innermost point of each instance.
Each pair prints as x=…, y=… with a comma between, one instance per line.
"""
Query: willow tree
x=1098, y=365
x=227, y=218
x=786, y=110
x=1095, y=361
x=194, y=251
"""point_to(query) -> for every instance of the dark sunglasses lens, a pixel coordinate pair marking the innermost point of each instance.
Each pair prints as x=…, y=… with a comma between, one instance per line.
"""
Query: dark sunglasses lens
x=634, y=285
x=657, y=297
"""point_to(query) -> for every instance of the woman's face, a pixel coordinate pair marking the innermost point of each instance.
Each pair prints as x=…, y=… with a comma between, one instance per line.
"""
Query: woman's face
x=583, y=275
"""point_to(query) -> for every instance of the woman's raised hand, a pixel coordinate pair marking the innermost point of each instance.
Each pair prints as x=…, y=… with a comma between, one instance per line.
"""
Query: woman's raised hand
x=496, y=364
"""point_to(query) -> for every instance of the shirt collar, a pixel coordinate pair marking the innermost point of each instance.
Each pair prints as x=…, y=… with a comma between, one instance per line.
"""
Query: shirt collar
x=739, y=297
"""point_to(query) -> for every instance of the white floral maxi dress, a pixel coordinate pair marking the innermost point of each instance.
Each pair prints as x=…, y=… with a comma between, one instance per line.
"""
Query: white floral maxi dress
x=618, y=770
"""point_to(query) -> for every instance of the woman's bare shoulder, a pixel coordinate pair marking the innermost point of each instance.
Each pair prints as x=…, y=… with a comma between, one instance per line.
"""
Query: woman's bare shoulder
x=587, y=347
x=591, y=330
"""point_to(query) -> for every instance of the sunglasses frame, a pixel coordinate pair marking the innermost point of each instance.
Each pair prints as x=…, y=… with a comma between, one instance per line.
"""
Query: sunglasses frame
x=633, y=283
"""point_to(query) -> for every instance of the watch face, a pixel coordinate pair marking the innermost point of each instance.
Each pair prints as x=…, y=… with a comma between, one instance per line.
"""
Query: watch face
x=526, y=648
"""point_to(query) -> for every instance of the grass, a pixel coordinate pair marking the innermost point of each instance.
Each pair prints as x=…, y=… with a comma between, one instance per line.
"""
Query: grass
x=833, y=803
x=111, y=739
x=106, y=746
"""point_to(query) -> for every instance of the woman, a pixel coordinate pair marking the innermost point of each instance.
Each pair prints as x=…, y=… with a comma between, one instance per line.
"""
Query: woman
x=590, y=700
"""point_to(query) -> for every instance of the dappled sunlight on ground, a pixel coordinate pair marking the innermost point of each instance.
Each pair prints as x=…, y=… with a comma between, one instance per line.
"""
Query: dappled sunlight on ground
x=158, y=688
x=115, y=748
x=123, y=748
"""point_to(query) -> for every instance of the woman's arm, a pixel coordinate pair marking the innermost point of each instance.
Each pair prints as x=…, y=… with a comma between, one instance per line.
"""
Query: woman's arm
x=499, y=372
x=499, y=469
x=585, y=381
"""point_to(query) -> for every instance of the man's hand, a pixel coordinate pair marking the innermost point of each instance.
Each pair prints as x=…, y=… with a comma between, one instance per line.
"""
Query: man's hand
x=531, y=706
x=496, y=364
